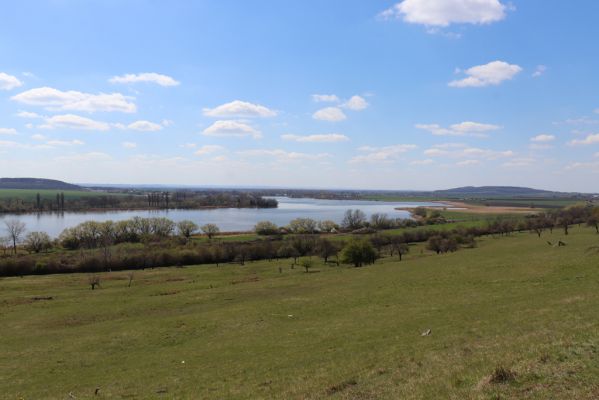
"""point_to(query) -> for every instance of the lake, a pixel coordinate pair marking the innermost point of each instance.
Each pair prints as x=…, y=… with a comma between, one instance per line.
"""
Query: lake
x=227, y=219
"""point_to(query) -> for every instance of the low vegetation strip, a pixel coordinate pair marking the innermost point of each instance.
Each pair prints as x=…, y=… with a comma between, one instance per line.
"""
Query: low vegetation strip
x=511, y=318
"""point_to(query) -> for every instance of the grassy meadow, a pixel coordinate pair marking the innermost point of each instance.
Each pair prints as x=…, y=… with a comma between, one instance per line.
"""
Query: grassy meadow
x=512, y=318
x=49, y=194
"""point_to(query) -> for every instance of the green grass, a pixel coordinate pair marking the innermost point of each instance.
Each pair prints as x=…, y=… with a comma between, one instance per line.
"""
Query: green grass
x=341, y=333
x=30, y=194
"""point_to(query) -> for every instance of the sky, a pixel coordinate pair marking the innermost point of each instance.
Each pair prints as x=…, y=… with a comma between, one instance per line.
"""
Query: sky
x=406, y=95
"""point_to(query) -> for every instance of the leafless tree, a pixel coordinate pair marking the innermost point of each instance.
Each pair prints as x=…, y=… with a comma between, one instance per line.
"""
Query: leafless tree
x=15, y=230
x=94, y=280
x=210, y=230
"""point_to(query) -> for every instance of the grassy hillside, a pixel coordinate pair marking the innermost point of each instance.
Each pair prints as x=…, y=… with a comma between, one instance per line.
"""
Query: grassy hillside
x=233, y=332
x=30, y=194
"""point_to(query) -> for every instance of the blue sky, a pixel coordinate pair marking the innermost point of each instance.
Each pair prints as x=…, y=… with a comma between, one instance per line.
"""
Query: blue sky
x=413, y=94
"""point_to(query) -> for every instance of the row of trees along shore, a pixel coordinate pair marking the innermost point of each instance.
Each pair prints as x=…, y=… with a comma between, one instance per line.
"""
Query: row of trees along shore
x=81, y=201
x=159, y=242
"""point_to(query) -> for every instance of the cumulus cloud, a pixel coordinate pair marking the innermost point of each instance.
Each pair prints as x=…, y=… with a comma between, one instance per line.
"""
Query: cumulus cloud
x=427, y=161
x=540, y=70
x=28, y=114
x=129, y=145
x=283, y=155
x=590, y=139
x=144, y=126
x=232, y=128
x=209, y=149
x=466, y=128
x=238, y=108
x=84, y=157
x=543, y=138
x=8, y=82
x=442, y=13
x=8, y=131
x=54, y=99
x=71, y=121
x=382, y=154
x=332, y=114
x=151, y=77
x=490, y=74
x=519, y=162
x=356, y=103
x=466, y=163
x=74, y=142
x=326, y=138
x=325, y=98
x=468, y=152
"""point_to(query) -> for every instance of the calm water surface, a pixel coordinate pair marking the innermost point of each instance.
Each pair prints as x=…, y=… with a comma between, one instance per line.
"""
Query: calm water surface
x=228, y=219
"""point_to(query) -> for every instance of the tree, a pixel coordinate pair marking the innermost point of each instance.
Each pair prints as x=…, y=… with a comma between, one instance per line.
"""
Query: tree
x=593, y=221
x=266, y=228
x=15, y=230
x=36, y=242
x=358, y=252
x=434, y=244
x=380, y=221
x=401, y=249
x=186, y=228
x=210, y=230
x=307, y=264
x=353, y=219
x=302, y=225
x=287, y=250
x=326, y=249
x=328, y=226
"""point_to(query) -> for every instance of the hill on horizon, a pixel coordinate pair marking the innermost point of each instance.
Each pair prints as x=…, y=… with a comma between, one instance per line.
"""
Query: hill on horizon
x=36, y=183
x=499, y=191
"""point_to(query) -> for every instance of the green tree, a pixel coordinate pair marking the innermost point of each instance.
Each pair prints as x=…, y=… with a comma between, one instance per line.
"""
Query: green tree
x=358, y=252
x=210, y=230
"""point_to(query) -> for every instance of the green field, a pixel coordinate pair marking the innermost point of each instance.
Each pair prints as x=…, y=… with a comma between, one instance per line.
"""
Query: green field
x=251, y=332
x=30, y=194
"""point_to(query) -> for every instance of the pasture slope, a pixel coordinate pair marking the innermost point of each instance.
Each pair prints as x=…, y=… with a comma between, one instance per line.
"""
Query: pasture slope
x=512, y=318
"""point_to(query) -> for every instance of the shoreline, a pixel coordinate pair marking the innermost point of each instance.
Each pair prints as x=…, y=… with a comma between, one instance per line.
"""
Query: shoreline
x=459, y=206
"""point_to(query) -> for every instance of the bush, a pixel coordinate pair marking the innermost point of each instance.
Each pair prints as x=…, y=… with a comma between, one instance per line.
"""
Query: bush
x=358, y=253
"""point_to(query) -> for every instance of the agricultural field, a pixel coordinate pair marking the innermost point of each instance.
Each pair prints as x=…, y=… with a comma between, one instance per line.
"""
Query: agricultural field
x=512, y=318
x=29, y=195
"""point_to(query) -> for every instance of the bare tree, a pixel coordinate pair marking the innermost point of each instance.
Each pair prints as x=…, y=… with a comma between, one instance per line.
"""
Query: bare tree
x=94, y=280
x=210, y=230
x=36, y=242
x=15, y=230
x=186, y=228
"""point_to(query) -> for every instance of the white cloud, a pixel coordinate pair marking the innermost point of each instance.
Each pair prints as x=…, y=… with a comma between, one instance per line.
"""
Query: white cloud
x=84, y=157
x=8, y=131
x=129, y=145
x=382, y=154
x=356, y=103
x=71, y=121
x=332, y=114
x=590, y=139
x=326, y=138
x=232, y=128
x=152, y=77
x=442, y=13
x=543, y=138
x=54, y=99
x=427, y=161
x=37, y=136
x=325, y=98
x=209, y=149
x=238, y=108
x=8, y=82
x=466, y=128
x=74, y=142
x=466, y=163
x=540, y=70
x=27, y=114
x=492, y=73
x=519, y=162
x=283, y=155
x=144, y=126
x=435, y=152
